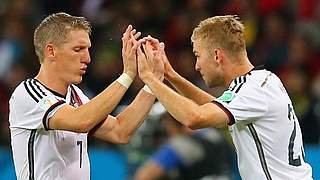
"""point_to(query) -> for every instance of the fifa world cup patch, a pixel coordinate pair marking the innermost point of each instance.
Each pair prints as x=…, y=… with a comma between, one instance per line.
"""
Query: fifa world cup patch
x=227, y=96
x=46, y=102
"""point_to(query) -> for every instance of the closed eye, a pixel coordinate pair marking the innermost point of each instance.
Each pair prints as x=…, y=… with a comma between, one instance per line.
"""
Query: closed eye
x=78, y=49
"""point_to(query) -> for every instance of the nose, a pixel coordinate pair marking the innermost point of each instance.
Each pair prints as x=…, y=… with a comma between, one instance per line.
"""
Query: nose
x=197, y=67
x=86, y=57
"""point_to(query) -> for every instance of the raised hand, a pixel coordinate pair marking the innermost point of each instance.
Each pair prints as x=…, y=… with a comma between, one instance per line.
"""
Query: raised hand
x=129, y=38
x=144, y=65
x=167, y=66
x=153, y=56
x=161, y=47
x=158, y=66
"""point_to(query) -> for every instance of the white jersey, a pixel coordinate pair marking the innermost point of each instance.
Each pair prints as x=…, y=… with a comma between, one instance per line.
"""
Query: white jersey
x=264, y=128
x=41, y=153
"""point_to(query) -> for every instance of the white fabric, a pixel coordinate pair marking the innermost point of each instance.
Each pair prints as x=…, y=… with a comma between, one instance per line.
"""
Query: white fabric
x=263, y=125
x=48, y=154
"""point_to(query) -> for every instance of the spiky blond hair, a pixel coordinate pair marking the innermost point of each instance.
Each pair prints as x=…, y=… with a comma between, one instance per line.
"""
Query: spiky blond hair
x=55, y=28
x=225, y=32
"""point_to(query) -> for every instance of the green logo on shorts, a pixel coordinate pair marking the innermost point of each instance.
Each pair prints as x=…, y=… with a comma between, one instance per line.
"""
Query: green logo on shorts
x=227, y=96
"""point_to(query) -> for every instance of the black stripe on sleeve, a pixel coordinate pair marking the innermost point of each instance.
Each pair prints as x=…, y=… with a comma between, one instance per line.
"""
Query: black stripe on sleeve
x=231, y=117
x=260, y=151
x=44, y=119
x=237, y=86
x=235, y=83
x=34, y=89
x=31, y=153
x=29, y=92
x=244, y=80
x=38, y=87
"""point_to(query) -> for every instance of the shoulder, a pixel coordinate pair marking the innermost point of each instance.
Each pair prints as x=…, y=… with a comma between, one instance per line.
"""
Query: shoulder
x=250, y=83
x=21, y=93
x=31, y=89
x=28, y=92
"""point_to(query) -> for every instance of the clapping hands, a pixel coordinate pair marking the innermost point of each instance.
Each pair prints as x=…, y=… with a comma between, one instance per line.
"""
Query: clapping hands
x=150, y=59
x=145, y=56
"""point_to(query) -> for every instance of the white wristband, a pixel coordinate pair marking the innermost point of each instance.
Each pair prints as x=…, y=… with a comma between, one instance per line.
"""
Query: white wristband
x=147, y=89
x=125, y=80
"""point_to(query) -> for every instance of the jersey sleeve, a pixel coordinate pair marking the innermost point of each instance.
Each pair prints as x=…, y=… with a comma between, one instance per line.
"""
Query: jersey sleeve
x=31, y=106
x=246, y=105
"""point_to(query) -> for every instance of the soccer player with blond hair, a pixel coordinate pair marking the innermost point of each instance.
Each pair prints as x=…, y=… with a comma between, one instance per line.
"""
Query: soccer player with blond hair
x=50, y=117
x=255, y=107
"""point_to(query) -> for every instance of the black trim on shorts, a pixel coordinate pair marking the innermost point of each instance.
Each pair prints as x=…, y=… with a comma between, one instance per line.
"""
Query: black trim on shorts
x=31, y=153
x=260, y=151
x=231, y=117
x=44, y=119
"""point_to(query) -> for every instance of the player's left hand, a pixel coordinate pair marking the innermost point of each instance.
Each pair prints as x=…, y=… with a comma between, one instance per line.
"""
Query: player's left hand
x=145, y=65
x=129, y=51
x=153, y=54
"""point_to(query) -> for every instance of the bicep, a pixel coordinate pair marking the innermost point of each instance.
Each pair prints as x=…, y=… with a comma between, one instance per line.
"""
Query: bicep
x=212, y=115
x=64, y=119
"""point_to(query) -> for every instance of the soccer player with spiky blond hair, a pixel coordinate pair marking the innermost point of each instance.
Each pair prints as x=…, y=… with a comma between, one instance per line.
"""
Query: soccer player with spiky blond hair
x=255, y=106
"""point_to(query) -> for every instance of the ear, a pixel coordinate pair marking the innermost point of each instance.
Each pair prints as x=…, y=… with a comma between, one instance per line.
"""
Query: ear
x=49, y=51
x=219, y=56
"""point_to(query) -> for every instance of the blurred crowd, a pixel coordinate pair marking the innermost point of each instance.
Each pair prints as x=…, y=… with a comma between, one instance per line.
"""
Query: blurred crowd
x=282, y=35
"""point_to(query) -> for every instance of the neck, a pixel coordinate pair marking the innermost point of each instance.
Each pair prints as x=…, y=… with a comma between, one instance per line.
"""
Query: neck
x=49, y=78
x=237, y=70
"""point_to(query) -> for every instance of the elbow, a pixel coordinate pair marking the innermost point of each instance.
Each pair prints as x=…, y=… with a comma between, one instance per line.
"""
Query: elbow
x=193, y=121
x=122, y=140
x=121, y=137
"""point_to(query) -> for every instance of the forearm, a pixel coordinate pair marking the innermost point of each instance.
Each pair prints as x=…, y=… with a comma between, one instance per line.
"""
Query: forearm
x=181, y=108
x=100, y=106
x=119, y=129
x=187, y=89
x=132, y=117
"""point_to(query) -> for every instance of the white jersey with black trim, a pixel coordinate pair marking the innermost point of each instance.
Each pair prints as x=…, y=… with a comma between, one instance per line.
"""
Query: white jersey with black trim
x=264, y=128
x=40, y=153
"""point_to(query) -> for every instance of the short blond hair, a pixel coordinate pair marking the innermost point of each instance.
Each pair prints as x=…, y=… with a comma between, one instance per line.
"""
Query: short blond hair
x=55, y=28
x=225, y=32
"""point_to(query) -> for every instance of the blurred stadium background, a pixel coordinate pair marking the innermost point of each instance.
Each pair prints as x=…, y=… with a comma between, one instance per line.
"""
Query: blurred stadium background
x=284, y=35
